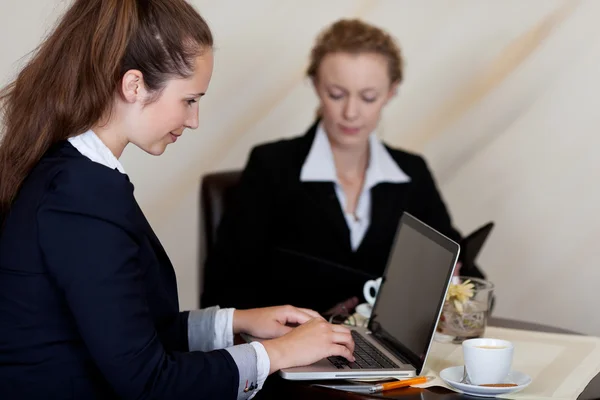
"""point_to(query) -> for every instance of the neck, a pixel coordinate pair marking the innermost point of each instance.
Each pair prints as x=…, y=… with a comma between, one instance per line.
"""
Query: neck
x=350, y=162
x=111, y=137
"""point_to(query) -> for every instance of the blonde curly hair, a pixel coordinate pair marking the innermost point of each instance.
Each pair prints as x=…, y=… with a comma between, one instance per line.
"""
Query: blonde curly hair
x=355, y=36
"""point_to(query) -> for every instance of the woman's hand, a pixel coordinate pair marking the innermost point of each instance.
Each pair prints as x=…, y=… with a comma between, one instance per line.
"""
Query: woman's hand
x=345, y=307
x=457, y=268
x=309, y=343
x=271, y=322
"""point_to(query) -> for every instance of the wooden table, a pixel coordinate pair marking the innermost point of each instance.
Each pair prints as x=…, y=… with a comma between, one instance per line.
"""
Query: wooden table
x=277, y=388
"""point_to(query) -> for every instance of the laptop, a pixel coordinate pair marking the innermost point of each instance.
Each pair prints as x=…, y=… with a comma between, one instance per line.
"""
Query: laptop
x=405, y=314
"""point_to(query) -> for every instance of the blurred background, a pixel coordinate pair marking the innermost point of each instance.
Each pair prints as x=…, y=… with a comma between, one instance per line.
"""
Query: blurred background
x=501, y=97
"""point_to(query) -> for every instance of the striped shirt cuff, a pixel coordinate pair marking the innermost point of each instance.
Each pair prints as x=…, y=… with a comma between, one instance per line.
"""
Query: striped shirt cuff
x=245, y=357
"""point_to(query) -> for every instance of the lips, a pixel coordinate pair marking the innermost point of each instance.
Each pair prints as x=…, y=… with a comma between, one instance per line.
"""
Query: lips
x=174, y=137
x=349, y=130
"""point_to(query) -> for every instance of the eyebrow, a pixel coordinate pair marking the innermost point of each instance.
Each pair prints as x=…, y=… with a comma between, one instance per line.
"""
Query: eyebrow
x=197, y=94
x=346, y=91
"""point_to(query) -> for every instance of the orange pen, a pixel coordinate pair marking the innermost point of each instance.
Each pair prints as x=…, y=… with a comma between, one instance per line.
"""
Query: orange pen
x=400, y=384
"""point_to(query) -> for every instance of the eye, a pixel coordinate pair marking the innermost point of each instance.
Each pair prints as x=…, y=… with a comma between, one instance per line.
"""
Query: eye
x=335, y=96
x=191, y=101
x=369, y=99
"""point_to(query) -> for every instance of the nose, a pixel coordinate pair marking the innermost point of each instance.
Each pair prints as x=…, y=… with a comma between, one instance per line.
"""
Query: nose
x=351, y=109
x=192, y=120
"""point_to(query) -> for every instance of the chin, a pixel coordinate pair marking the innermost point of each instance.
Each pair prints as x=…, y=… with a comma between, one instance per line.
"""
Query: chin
x=156, y=150
x=350, y=141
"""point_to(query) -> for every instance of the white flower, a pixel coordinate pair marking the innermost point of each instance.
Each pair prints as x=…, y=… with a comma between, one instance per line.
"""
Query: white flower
x=459, y=294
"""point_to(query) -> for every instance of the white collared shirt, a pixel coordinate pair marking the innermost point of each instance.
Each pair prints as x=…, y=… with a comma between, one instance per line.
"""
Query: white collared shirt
x=319, y=166
x=90, y=145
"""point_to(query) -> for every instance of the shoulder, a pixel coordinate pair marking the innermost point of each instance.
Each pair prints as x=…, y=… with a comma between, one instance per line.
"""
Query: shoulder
x=75, y=183
x=68, y=169
x=411, y=163
x=405, y=156
x=281, y=150
x=279, y=160
x=287, y=152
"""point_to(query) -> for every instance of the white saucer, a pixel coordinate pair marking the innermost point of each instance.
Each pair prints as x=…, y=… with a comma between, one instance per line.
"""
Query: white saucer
x=364, y=309
x=453, y=375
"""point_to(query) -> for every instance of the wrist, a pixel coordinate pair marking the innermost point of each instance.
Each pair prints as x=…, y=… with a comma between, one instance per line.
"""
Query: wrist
x=275, y=353
x=239, y=321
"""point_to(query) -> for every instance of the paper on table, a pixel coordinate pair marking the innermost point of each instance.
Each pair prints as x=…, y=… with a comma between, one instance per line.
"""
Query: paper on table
x=560, y=366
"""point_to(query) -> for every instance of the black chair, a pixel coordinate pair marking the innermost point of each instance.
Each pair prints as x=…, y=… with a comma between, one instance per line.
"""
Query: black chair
x=217, y=192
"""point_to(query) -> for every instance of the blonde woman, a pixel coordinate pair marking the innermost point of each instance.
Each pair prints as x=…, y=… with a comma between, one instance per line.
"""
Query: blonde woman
x=317, y=214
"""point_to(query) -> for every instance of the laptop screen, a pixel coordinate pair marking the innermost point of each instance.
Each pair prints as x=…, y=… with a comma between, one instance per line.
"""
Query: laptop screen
x=413, y=290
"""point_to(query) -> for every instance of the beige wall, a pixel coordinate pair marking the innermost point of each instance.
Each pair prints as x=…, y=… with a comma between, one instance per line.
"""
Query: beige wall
x=500, y=96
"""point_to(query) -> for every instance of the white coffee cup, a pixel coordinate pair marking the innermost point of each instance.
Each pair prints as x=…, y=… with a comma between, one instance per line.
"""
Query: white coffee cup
x=487, y=361
x=370, y=285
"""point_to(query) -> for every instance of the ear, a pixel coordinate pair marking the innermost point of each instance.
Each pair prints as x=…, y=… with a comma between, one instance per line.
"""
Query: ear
x=315, y=84
x=392, y=92
x=132, y=86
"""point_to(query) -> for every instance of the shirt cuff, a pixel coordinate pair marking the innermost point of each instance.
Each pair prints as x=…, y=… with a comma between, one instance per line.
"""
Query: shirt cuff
x=246, y=359
x=210, y=329
x=263, y=363
x=201, y=329
x=224, y=328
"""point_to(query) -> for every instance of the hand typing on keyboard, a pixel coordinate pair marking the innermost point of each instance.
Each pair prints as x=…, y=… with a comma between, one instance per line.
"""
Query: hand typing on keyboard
x=309, y=343
x=366, y=356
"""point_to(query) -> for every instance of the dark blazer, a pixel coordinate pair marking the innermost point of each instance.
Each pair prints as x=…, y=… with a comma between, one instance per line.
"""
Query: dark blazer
x=88, y=297
x=286, y=241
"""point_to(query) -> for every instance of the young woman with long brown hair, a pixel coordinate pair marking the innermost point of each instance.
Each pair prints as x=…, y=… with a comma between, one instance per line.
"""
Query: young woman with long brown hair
x=88, y=296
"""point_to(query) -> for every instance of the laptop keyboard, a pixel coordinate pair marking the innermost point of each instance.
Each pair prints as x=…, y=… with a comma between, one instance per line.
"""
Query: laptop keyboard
x=367, y=356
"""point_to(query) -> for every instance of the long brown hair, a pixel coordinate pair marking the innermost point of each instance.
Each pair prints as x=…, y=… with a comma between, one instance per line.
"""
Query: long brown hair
x=74, y=74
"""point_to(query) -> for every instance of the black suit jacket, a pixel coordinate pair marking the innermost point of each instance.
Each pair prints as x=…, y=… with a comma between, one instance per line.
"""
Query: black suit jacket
x=286, y=241
x=88, y=296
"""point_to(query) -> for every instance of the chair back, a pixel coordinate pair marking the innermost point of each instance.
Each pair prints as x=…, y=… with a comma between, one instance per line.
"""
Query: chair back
x=217, y=191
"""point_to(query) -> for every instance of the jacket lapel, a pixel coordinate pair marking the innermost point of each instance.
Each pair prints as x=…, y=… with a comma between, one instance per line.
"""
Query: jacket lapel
x=159, y=250
x=322, y=198
x=388, y=201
